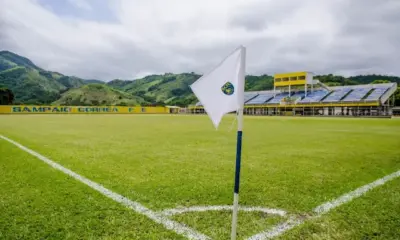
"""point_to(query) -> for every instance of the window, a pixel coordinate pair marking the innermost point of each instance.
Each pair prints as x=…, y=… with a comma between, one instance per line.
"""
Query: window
x=277, y=79
x=293, y=78
x=285, y=79
x=302, y=77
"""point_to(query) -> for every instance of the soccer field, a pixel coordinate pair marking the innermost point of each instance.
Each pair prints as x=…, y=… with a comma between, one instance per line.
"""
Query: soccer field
x=182, y=170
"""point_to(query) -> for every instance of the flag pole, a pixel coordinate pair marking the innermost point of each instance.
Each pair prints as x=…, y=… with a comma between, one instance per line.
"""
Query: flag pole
x=238, y=143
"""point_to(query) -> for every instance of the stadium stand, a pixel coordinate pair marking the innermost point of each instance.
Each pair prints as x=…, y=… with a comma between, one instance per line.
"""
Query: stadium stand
x=249, y=96
x=357, y=94
x=314, y=97
x=308, y=96
x=376, y=94
x=337, y=94
x=354, y=93
x=297, y=95
x=277, y=99
x=261, y=98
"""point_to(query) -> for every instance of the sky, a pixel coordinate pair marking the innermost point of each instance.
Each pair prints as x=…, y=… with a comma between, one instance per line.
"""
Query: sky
x=128, y=39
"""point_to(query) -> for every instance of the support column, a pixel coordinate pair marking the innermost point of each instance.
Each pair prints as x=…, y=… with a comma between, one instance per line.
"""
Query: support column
x=394, y=100
x=305, y=87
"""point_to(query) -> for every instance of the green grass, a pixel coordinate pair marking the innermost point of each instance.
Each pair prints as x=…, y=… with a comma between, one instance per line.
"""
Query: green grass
x=217, y=224
x=376, y=215
x=165, y=161
x=39, y=202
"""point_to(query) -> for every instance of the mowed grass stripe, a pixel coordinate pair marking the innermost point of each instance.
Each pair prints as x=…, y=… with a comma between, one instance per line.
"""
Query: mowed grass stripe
x=39, y=202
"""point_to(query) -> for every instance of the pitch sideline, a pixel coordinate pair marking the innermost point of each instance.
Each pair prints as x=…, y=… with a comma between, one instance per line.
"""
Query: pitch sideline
x=135, y=206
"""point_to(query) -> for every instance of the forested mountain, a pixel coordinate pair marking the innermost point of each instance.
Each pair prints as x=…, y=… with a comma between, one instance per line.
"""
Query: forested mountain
x=88, y=81
x=31, y=84
x=169, y=88
x=97, y=94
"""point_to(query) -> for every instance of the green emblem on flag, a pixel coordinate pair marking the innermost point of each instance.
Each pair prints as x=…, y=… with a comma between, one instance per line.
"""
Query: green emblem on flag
x=228, y=88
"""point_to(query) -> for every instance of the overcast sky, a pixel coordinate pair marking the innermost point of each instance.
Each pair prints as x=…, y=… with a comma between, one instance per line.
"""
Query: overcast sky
x=126, y=39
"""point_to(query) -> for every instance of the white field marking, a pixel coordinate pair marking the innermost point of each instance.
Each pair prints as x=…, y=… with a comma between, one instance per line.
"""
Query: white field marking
x=324, y=208
x=171, y=212
x=277, y=230
x=135, y=206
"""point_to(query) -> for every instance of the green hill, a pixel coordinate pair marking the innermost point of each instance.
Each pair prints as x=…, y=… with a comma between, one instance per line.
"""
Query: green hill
x=97, y=94
x=169, y=88
x=10, y=60
x=88, y=81
x=31, y=84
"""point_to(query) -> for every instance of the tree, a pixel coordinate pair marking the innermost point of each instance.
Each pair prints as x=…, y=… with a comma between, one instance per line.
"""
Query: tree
x=380, y=81
x=6, y=96
x=397, y=97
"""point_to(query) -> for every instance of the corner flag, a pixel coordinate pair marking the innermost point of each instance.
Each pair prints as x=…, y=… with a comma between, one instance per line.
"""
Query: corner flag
x=222, y=91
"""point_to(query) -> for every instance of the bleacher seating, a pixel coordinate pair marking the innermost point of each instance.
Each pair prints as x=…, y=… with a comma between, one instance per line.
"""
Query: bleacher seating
x=337, y=94
x=277, y=99
x=357, y=94
x=298, y=95
x=314, y=97
x=249, y=95
x=261, y=98
x=376, y=94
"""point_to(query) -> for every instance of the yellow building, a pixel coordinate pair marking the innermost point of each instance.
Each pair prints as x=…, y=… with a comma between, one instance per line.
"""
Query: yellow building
x=287, y=80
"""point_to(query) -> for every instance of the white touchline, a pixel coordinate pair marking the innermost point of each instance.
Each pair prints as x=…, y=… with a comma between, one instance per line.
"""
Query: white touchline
x=324, y=208
x=174, y=211
x=137, y=207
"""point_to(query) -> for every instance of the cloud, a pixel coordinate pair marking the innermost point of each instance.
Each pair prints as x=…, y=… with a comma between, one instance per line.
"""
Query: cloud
x=82, y=4
x=156, y=36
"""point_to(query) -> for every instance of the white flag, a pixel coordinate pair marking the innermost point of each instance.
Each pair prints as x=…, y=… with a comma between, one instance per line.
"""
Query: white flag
x=221, y=91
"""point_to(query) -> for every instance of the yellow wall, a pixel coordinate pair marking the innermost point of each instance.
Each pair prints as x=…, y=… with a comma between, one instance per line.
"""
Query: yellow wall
x=292, y=74
x=19, y=109
x=290, y=82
